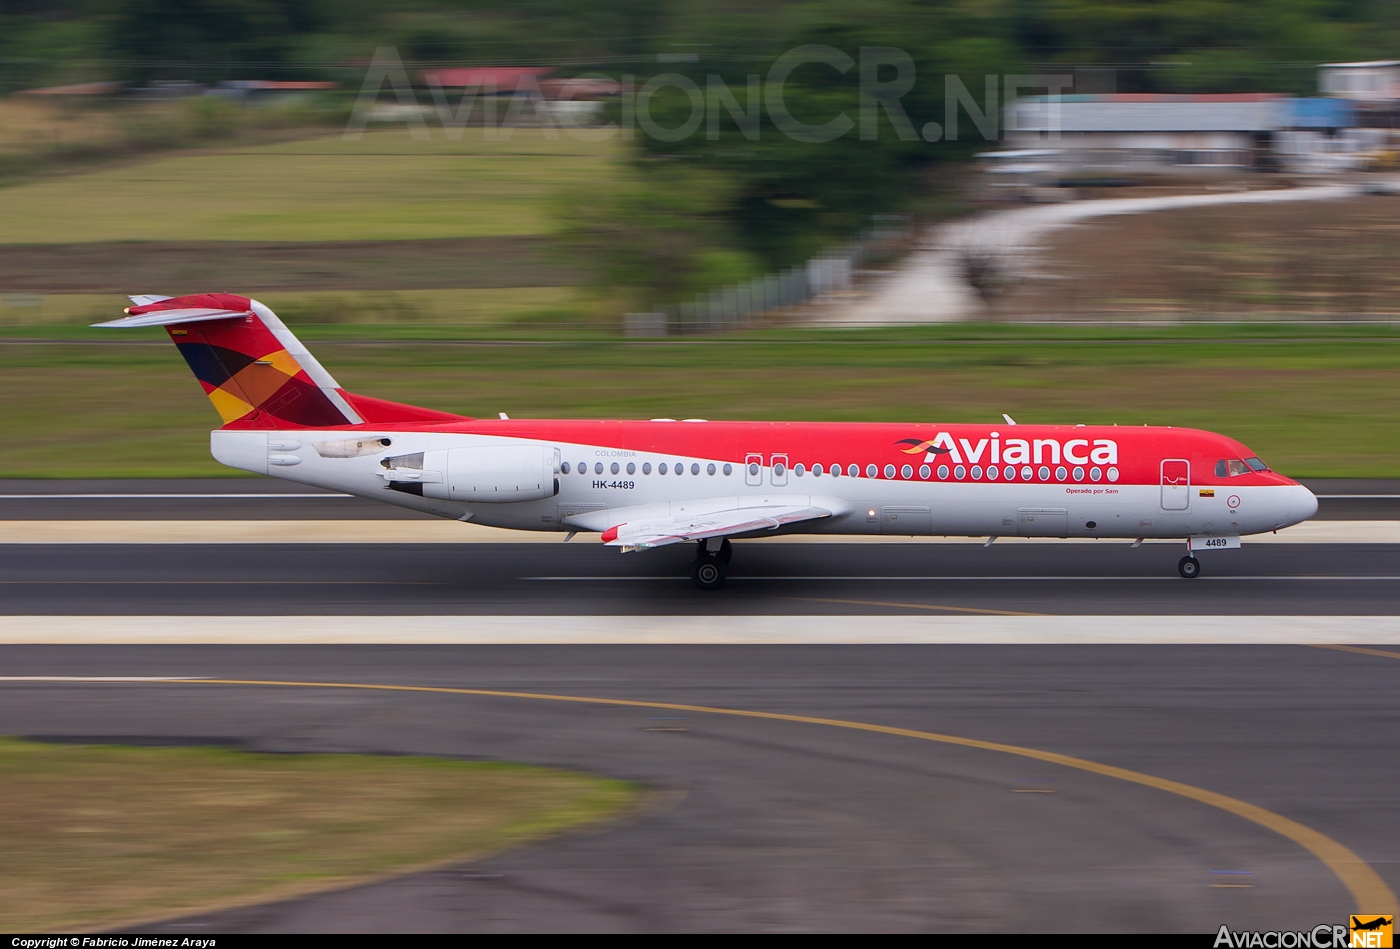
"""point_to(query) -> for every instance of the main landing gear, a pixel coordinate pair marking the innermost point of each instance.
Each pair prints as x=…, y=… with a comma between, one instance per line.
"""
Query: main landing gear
x=711, y=564
x=1189, y=567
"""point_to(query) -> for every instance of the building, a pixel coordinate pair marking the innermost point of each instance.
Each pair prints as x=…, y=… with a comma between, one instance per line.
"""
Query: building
x=1377, y=81
x=1124, y=133
x=488, y=80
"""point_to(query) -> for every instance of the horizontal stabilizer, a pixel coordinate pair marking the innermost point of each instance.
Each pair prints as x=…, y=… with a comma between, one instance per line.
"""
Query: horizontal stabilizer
x=171, y=317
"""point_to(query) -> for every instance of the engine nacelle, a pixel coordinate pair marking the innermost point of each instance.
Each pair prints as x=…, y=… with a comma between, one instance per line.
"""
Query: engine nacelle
x=494, y=475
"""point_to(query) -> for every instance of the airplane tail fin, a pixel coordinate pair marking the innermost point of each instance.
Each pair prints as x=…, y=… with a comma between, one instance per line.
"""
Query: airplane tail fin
x=254, y=370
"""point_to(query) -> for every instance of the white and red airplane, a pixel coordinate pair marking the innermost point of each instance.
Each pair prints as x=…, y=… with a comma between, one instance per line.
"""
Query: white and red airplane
x=644, y=484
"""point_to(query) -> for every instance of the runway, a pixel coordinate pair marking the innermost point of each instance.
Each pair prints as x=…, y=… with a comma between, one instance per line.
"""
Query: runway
x=800, y=822
x=766, y=578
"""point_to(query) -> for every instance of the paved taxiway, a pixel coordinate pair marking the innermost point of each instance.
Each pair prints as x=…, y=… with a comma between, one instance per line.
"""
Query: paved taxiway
x=776, y=825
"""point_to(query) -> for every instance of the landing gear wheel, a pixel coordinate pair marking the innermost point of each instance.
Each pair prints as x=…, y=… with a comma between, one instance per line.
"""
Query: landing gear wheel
x=707, y=573
x=1189, y=567
x=726, y=550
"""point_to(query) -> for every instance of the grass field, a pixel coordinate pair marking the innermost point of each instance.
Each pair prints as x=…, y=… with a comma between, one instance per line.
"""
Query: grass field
x=100, y=835
x=1313, y=401
x=385, y=186
x=1306, y=257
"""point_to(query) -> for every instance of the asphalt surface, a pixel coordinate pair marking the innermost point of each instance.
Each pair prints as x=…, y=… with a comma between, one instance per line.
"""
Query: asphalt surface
x=396, y=580
x=268, y=498
x=781, y=826
x=757, y=824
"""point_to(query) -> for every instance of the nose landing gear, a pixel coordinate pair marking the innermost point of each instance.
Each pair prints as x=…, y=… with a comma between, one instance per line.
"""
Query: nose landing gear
x=1189, y=567
x=710, y=566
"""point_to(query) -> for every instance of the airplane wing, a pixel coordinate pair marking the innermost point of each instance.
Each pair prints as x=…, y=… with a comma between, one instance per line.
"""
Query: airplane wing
x=767, y=514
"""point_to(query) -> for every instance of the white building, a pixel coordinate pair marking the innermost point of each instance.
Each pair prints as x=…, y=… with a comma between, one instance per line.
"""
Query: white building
x=1374, y=82
x=1125, y=133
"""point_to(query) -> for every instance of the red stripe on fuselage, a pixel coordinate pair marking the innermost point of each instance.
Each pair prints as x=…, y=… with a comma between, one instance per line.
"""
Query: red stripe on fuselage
x=1138, y=451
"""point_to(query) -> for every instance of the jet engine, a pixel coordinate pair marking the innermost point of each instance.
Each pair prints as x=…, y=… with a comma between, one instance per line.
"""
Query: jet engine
x=493, y=475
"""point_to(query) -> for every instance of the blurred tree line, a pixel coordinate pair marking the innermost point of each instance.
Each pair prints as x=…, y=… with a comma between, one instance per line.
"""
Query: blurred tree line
x=737, y=196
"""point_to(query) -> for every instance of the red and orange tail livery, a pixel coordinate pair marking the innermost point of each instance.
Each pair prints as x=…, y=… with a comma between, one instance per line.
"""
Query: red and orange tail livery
x=254, y=370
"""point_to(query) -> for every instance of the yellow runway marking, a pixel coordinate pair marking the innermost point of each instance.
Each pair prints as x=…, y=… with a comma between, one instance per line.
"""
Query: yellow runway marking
x=1365, y=885
x=912, y=606
x=1358, y=649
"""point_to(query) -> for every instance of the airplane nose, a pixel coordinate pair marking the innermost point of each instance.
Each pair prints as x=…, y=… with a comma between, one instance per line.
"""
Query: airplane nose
x=1302, y=504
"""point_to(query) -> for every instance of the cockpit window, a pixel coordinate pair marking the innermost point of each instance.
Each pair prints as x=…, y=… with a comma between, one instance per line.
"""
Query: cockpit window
x=1234, y=467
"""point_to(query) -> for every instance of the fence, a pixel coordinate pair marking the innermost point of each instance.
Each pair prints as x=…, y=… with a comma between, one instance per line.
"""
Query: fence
x=729, y=308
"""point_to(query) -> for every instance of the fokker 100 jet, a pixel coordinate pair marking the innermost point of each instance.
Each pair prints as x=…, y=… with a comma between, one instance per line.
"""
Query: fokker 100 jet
x=644, y=484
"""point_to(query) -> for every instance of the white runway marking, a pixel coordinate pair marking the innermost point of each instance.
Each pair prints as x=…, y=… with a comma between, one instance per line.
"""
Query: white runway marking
x=104, y=678
x=717, y=630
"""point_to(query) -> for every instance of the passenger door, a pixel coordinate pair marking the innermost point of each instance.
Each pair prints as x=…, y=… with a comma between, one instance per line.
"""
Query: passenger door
x=1176, y=484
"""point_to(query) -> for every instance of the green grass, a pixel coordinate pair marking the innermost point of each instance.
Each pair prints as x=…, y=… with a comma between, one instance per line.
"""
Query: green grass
x=98, y=835
x=1313, y=401
x=385, y=186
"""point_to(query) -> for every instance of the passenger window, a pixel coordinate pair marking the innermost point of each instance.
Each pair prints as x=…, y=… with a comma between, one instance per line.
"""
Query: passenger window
x=661, y=468
x=799, y=469
x=583, y=467
x=816, y=471
x=646, y=467
x=906, y=472
x=614, y=468
x=728, y=468
x=564, y=468
x=598, y=468
x=870, y=471
x=694, y=468
x=710, y=468
x=631, y=467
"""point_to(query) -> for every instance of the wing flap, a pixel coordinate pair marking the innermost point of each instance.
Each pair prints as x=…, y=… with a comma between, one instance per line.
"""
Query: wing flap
x=660, y=532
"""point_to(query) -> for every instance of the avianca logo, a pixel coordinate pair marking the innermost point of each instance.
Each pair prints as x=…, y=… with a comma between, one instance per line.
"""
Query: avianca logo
x=1013, y=451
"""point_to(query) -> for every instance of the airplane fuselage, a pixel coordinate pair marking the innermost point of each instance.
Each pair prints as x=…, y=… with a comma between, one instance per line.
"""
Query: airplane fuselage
x=905, y=479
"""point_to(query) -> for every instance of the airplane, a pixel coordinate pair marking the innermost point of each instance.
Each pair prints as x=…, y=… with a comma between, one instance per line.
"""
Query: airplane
x=644, y=484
